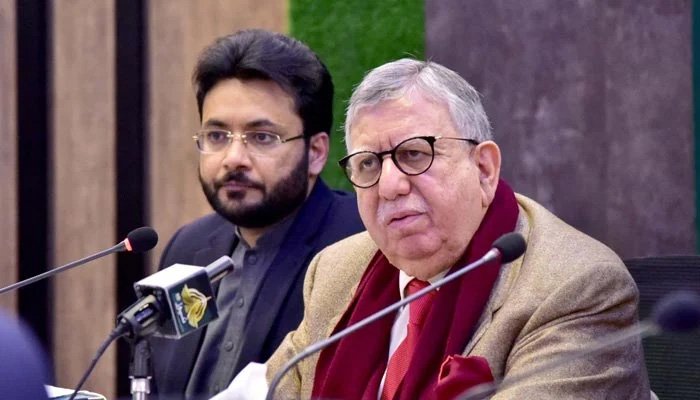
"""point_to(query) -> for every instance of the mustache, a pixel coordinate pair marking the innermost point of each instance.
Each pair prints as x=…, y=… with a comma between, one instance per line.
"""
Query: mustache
x=239, y=177
x=387, y=210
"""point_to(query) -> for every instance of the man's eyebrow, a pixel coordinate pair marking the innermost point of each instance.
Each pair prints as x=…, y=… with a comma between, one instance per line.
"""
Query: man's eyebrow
x=215, y=123
x=254, y=124
x=261, y=123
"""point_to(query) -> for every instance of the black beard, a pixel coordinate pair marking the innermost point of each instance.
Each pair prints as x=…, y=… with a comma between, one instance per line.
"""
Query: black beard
x=282, y=199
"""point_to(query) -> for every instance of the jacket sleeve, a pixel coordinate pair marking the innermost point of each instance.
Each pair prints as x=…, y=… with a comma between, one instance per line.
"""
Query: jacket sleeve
x=590, y=305
x=295, y=342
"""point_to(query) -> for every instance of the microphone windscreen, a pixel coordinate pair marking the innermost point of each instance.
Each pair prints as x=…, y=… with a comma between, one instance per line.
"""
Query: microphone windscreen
x=142, y=239
x=511, y=245
x=678, y=312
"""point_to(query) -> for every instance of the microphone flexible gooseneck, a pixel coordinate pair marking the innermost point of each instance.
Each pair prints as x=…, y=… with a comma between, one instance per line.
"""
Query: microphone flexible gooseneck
x=138, y=240
x=505, y=249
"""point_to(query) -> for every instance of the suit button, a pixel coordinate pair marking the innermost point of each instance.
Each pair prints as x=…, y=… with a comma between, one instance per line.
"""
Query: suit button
x=216, y=389
x=241, y=302
x=228, y=346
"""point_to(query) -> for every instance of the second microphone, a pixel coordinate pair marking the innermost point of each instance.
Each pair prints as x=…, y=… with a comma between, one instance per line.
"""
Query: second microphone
x=175, y=301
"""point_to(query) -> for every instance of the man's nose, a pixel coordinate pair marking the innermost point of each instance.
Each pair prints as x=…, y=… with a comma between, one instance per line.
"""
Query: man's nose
x=236, y=155
x=392, y=182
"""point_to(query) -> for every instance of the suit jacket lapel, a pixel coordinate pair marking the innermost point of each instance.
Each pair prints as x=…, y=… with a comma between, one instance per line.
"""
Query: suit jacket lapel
x=507, y=276
x=221, y=242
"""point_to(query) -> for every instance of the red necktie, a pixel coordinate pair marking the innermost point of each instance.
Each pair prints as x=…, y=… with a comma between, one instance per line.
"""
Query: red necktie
x=401, y=359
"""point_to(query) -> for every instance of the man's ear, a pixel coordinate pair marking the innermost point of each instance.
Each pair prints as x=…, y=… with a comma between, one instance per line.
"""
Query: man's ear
x=488, y=159
x=318, y=153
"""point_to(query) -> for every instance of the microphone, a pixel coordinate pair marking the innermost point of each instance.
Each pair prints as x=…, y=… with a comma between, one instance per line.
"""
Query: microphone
x=174, y=301
x=505, y=249
x=677, y=312
x=139, y=240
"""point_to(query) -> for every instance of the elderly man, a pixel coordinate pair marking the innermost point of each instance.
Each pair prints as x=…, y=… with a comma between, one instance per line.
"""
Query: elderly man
x=426, y=171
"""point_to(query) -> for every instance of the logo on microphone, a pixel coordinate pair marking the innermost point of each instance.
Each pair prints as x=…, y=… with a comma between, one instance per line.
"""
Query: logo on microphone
x=189, y=296
x=193, y=306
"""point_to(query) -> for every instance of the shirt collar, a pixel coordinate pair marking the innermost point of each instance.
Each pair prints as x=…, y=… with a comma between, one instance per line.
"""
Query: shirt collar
x=404, y=278
x=273, y=236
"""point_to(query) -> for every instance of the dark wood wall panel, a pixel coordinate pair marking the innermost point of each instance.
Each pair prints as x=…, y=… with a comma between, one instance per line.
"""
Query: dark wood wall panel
x=83, y=200
x=178, y=30
x=8, y=154
x=33, y=137
x=591, y=103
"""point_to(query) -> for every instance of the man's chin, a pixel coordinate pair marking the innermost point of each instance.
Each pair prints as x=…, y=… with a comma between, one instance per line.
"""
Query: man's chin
x=237, y=195
x=415, y=246
x=237, y=217
x=235, y=208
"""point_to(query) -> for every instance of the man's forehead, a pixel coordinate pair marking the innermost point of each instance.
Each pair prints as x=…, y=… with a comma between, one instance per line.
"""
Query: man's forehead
x=405, y=104
x=392, y=121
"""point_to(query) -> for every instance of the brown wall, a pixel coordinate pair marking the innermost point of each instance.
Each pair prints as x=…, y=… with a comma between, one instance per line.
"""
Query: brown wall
x=83, y=176
x=8, y=155
x=591, y=103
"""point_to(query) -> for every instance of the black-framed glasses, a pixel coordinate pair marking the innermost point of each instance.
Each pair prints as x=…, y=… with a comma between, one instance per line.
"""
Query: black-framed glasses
x=211, y=141
x=413, y=156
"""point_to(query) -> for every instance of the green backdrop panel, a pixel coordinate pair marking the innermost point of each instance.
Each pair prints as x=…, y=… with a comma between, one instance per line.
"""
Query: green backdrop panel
x=351, y=37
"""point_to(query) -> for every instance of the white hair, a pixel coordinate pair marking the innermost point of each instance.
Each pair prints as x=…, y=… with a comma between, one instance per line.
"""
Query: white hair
x=396, y=79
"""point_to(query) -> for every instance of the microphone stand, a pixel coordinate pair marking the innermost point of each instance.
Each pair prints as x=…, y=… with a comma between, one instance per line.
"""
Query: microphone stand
x=141, y=320
x=140, y=368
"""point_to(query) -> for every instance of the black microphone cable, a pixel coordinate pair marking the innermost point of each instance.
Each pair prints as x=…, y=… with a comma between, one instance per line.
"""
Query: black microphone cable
x=119, y=331
x=132, y=323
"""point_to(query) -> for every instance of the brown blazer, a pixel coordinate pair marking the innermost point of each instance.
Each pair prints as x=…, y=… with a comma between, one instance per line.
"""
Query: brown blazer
x=565, y=292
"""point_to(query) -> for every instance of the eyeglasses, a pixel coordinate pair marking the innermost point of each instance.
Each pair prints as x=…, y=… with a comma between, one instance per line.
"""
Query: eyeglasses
x=211, y=141
x=413, y=156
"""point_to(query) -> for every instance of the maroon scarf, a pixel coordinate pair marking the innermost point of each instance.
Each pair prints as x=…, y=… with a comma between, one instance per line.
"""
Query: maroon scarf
x=353, y=367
